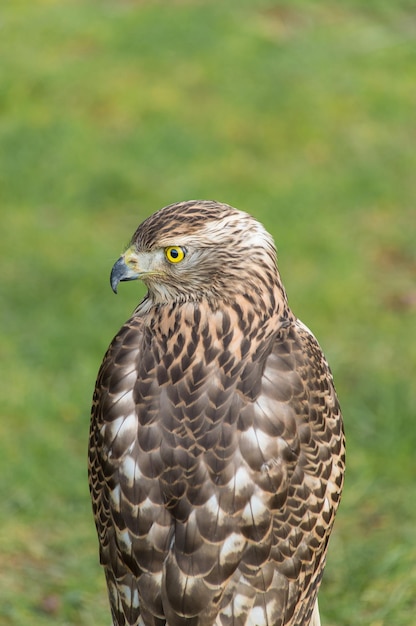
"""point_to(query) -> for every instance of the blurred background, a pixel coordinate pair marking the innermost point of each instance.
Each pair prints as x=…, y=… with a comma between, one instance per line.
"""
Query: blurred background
x=301, y=113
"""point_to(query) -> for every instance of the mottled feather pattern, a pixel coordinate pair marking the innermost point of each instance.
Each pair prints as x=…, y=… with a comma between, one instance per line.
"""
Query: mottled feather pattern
x=216, y=445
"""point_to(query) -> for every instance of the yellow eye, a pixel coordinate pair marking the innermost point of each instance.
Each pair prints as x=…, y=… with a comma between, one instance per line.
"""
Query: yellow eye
x=174, y=254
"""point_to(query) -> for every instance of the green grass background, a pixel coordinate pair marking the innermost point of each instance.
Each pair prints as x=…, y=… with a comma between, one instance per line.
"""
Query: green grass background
x=300, y=112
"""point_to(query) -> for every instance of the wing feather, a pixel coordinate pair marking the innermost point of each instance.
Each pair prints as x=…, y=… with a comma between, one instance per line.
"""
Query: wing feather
x=215, y=471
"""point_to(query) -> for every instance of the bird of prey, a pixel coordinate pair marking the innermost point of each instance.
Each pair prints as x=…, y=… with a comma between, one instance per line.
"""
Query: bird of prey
x=216, y=453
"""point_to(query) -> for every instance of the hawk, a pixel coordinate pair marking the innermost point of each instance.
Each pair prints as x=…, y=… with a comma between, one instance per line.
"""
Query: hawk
x=216, y=452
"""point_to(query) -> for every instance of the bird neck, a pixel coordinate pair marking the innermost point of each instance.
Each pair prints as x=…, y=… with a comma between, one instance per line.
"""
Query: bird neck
x=229, y=321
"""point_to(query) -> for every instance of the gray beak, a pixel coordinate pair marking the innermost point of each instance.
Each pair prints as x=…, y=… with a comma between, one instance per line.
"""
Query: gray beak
x=121, y=272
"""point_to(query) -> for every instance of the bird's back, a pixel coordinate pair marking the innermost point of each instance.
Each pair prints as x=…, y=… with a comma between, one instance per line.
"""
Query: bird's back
x=216, y=466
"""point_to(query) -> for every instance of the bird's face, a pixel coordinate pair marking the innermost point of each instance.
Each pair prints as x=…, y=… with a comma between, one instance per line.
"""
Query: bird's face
x=197, y=249
x=167, y=268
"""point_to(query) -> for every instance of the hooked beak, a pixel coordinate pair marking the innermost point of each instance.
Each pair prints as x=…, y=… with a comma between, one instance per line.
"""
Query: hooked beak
x=123, y=269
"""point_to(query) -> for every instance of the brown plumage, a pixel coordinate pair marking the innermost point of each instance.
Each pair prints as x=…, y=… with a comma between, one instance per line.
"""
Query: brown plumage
x=216, y=455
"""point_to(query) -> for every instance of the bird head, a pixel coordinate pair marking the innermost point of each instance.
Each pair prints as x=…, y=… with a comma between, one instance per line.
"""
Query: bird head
x=199, y=249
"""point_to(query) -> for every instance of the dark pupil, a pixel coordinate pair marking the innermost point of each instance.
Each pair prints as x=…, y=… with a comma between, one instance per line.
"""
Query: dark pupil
x=174, y=254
